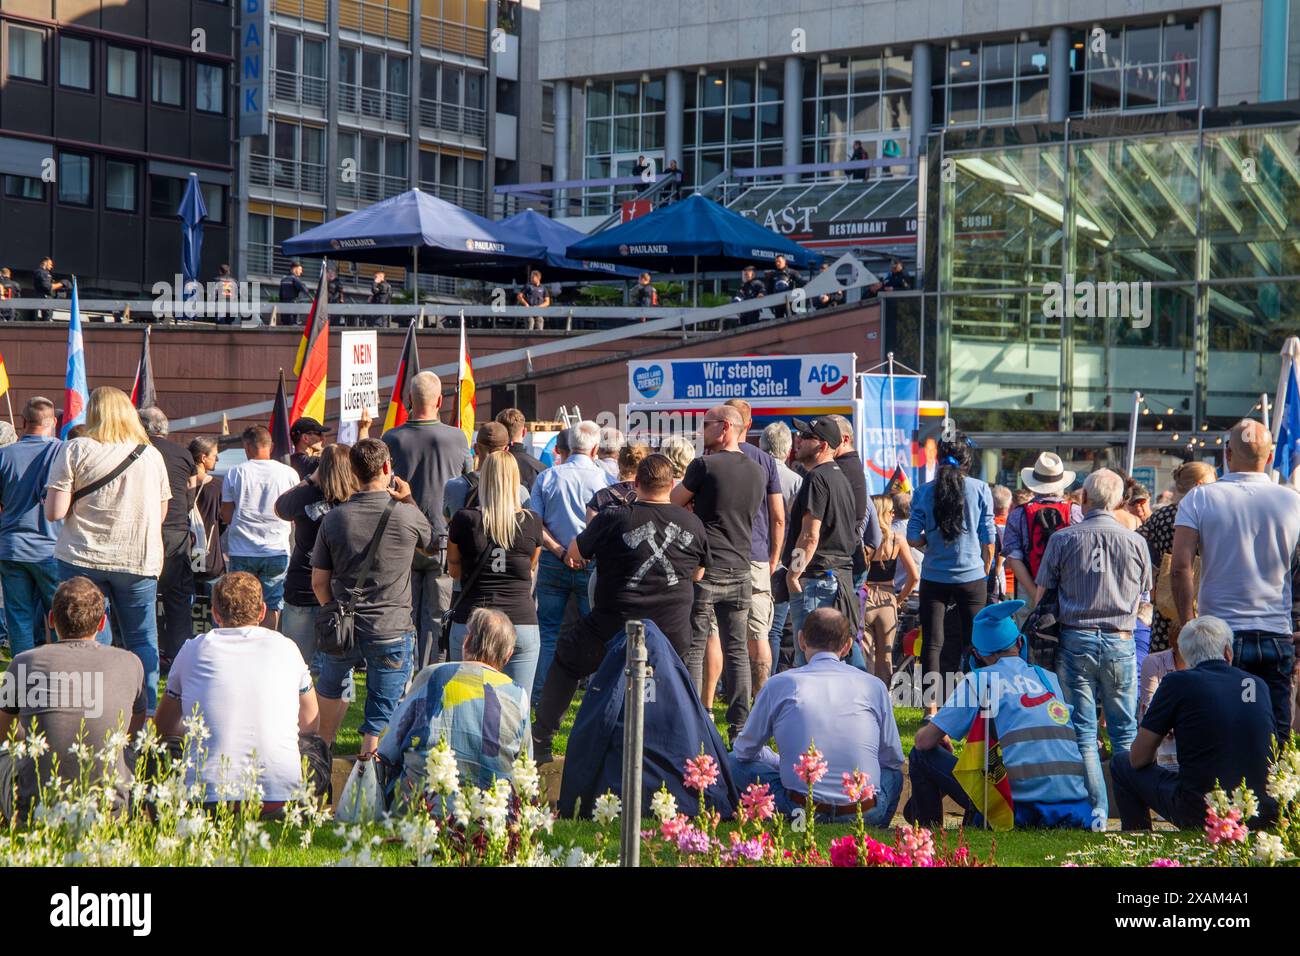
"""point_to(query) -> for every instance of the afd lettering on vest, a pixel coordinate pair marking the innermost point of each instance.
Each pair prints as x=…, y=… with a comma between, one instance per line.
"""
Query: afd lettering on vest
x=1033, y=728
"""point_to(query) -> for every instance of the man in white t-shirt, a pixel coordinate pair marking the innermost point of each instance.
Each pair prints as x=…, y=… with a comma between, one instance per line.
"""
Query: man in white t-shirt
x=255, y=696
x=1246, y=528
x=259, y=540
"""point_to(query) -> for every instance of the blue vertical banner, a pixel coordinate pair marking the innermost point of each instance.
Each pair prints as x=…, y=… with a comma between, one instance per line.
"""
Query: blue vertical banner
x=254, y=65
x=890, y=418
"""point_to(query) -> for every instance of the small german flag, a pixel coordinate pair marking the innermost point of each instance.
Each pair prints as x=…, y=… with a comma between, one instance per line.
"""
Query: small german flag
x=465, y=401
x=898, y=482
x=4, y=376
x=407, y=368
x=312, y=363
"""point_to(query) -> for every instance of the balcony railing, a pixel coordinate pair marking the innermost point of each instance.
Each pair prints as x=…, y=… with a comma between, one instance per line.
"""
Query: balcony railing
x=292, y=87
x=454, y=119
x=371, y=187
x=375, y=103
x=466, y=198
x=289, y=174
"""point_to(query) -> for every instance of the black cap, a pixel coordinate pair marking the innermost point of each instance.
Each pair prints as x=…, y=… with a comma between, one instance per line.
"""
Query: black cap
x=822, y=429
x=305, y=426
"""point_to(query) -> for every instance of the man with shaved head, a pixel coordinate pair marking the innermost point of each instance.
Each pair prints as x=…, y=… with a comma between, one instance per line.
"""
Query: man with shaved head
x=1246, y=529
x=726, y=488
x=427, y=454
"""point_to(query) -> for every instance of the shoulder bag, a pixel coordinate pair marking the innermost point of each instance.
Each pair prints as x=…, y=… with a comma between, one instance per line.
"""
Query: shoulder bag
x=336, y=623
x=467, y=586
x=122, y=466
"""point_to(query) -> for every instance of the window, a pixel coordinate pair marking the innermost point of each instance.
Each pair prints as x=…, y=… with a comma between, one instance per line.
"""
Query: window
x=123, y=72
x=74, y=63
x=214, y=197
x=24, y=187
x=209, y=88
x=26, y=54
x=119, y=186
x=74, y=179
x=168, y=86
x=165, y=194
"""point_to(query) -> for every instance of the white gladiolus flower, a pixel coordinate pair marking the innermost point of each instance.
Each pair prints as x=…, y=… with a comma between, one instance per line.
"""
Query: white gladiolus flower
x=37, y=746
x=608, y=809
x=1269, y=849
x=495, y=808
x=664, y=806
x=444, y=775
x=533, y=818
x=527, y=779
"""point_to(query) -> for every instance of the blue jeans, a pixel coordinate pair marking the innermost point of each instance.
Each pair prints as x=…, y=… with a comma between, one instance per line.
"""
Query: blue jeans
x=29, y=594
x=270, y=571
x=888, y=789
x=522, y=667
x=1096, y=667
x=780, y=614
x=130, y=600
x=1270, y=657
x=388, y=669
x=555, y=584
x=817, y=592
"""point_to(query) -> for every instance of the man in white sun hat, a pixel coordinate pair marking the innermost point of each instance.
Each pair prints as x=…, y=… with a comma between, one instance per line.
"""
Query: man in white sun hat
x=1030, y=525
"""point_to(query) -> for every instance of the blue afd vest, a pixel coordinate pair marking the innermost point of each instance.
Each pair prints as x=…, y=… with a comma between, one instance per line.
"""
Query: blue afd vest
x=1033, y=725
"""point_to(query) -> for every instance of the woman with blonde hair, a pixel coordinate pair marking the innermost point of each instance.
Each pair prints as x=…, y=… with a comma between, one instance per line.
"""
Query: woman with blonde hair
x=1159, y=532
x=328, y=486
x=680, y=452
x=492, y=549
x=110, y=490
x=880, y=615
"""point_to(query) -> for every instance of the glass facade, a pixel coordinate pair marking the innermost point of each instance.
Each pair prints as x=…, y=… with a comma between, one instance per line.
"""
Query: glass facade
x=1080, y=268
x=1136, y=67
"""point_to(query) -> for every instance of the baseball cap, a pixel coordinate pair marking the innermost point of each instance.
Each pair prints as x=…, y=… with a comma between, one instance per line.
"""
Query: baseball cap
x=305, y=426
x=492, y=436
x=994, y=628
x=823, y=429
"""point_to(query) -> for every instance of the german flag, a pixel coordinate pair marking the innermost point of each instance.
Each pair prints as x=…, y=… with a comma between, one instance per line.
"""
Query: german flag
x=143, y=392
x=465, y=402
x=898, y=482
x=312, y=363
x=983, y=776
x=281, y=441
x=407, y=368
x=4, y=376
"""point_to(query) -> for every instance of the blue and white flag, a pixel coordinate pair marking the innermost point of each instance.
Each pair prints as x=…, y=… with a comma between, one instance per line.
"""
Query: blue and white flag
x=76, y=394
x=1286, y=454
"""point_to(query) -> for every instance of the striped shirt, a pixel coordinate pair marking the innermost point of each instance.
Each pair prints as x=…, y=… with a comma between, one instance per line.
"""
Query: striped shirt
x=1100, y=570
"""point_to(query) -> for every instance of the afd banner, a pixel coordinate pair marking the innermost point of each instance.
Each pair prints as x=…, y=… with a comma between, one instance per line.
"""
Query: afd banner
x=800, y=380
x=890, y=418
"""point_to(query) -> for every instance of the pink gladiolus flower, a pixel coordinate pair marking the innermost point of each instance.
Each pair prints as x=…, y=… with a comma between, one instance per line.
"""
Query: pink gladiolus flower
x=756, y=802
x=857, y=786
x=1164, y=861
x=752, y=849
x=917, y=845
x=701, y=772
x=811, y=767
x=1225, y=829
x=844, y=851
x=671, y=829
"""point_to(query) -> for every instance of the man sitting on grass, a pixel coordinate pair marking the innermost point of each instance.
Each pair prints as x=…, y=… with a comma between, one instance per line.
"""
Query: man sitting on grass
x=255, y=696
x=1222, y=720
x=470, y=703
x=845, y=712
x=87, y=691
x=1032, y=723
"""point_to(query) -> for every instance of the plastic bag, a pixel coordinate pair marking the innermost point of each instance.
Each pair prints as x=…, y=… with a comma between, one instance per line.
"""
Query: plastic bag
x=362, y=801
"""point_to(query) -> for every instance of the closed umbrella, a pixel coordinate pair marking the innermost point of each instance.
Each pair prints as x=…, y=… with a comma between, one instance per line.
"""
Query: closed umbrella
x=193, y=210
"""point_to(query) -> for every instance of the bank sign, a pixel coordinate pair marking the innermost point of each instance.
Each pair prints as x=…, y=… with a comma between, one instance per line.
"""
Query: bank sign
x=254, y=65
x=812, y=379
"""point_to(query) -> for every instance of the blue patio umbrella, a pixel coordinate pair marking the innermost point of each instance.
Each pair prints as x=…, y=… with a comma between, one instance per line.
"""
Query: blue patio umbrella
x=555, y=265
x=413, y=229
x=192, y=211
x=693, y=235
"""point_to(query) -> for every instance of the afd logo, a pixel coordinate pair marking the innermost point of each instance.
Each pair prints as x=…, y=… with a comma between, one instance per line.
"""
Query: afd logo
x=828, y=376
x=648, y=381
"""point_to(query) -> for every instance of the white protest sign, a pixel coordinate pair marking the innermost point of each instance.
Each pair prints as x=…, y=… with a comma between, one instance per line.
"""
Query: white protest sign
x=359, y=376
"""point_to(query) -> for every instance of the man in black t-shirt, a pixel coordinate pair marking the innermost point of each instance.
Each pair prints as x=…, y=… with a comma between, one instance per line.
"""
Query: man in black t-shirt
x=381, y=293
x=534, y=293
x=292, y=286
x=727, y=489
x=516, y=425
x=176, y=581
x=46, y=285
x=308, y=437
x=649, y=553
x=822, y=531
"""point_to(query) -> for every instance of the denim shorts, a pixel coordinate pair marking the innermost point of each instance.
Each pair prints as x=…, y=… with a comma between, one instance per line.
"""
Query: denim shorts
x=388, y=668
x=270, y=571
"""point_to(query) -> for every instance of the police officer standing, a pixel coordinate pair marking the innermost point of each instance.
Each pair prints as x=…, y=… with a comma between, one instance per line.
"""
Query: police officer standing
x=782, y=279
x=292, y=286
x=46, y=286
x=751, y=287
x=381, y=293
x=534, y=293
x=8, y=290
x=335, y=291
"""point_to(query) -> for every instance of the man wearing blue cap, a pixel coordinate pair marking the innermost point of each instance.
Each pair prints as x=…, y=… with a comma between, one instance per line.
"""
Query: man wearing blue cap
x=1030, y=722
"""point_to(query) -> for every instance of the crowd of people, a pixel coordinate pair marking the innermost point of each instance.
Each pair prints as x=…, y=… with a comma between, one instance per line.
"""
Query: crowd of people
x=481, y=587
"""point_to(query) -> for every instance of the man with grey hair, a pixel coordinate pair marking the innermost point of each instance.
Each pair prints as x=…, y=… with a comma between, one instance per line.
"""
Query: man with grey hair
x=1098, y=569
x=176, y=581
x=559, y=496
x=1246, y=529
x=427, y=454
x=611, y=441
x=1222, y=718
x=487, y=730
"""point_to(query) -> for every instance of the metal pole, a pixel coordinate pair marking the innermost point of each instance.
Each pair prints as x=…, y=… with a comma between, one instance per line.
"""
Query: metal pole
x=1133, y=432
x=10, y=403
x=1263, y=404
x=633, y=743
